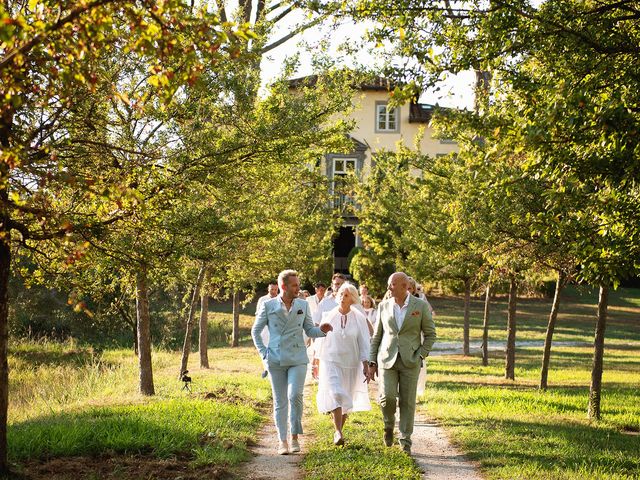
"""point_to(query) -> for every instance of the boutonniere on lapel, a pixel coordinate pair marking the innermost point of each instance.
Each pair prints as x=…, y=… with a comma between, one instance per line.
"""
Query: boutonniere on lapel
x=415, y=314
x=299, y=312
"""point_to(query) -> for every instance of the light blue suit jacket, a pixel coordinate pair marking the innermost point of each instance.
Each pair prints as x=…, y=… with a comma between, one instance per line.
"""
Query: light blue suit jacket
x=286, y=344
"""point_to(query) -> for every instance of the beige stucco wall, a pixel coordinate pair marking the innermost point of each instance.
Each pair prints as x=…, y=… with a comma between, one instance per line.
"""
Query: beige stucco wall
x=364, y=114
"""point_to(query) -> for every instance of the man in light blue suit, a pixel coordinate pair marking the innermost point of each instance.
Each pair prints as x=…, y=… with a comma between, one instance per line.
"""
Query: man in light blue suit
x=286, y=316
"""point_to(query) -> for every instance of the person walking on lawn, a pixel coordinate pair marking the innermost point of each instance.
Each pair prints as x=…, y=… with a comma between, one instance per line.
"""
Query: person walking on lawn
x=397, y=351
x=286, y=317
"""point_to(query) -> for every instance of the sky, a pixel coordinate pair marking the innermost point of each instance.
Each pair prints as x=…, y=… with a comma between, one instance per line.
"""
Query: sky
x=455, y=92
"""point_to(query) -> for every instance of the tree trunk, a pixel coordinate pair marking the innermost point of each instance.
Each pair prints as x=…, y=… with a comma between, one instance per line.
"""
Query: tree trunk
x=144, y=333
x=551, y=326
x=485, y=326
x=235, y=333
x=6, y=125
x=186, y=346
x=467, y=308
x=510, y=363
x=5, y=270
x=598, y=354
x=204, y=327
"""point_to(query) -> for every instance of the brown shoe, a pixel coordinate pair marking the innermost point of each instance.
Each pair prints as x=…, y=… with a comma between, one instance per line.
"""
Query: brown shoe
x=406, y=448
x=388, y=437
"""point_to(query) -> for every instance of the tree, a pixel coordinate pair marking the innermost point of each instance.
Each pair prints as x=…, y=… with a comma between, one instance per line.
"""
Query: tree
x=50, y=58
x=565, y=96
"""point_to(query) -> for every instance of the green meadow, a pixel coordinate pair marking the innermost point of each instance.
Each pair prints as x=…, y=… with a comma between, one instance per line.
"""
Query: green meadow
x=75, y=411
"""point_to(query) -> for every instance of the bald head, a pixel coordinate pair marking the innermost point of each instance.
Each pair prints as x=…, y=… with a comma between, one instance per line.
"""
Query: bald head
x=397, y=285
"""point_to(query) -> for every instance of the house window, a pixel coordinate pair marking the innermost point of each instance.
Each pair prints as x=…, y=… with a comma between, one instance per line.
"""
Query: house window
x=342, y=168
x=387, y=119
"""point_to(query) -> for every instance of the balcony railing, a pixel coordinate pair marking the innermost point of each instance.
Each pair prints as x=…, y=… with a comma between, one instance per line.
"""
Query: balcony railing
x=343, y=199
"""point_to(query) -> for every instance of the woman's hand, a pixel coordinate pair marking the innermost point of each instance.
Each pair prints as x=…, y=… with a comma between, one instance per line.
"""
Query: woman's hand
x=315, y=364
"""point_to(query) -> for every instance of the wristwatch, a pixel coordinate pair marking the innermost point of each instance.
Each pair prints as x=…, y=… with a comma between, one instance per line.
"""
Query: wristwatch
x=373, y=364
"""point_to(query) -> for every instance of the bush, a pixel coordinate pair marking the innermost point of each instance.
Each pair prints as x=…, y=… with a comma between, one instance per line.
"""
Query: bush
x=367, y=267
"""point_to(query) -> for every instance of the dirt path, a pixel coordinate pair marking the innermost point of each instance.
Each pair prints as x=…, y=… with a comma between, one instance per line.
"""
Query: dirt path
x=267, y=464
x=436, y=456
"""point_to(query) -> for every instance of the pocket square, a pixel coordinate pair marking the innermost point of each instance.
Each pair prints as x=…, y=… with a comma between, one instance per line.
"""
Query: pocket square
x=300, y=312
x=415, y=314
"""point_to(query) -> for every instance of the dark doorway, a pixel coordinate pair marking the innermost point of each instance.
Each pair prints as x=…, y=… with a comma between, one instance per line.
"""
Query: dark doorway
x=342, y=245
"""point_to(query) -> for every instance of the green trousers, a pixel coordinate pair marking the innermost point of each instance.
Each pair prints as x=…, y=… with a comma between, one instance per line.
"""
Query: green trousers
x=399, y=382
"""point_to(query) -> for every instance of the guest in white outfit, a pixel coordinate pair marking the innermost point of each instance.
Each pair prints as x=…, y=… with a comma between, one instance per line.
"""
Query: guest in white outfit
x=342, y=387
x=286, y=317
x=314, y=300
x=364, y=292
x=369, y=306
x=413, y=290
x=329, y=301
x=327, y=304
x=272, y=292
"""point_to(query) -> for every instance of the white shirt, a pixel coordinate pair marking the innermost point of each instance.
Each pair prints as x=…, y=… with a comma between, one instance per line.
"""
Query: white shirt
x=313, y=303
x=283, y=306
x=327, y=304
x=261, y=301
x=348, y=346
x=265, y=332
x=400, y=312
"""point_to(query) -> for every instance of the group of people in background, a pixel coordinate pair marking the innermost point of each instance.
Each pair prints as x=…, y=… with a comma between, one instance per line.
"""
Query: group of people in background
x=351, y=342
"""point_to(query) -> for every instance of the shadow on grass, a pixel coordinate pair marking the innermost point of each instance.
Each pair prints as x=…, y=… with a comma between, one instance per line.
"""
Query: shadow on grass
x=545, y=447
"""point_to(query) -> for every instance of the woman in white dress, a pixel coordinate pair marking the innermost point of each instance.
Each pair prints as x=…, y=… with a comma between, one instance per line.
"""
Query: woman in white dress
x=369, y=306
x=342, y=386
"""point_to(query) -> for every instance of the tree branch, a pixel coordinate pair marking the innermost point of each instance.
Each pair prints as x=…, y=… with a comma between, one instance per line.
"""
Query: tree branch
x=290, y=35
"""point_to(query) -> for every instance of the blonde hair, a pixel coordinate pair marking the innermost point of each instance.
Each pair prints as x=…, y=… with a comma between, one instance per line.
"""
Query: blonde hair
x=353, y=291
x=283, y=277
x=370, y=298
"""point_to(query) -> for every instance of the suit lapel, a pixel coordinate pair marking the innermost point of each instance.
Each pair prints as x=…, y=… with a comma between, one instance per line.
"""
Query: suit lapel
x=407, y=315
x=392, y=318
x=282, y=313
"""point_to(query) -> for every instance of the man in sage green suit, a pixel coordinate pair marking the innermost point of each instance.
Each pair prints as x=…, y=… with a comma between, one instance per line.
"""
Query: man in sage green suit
x=403, y=337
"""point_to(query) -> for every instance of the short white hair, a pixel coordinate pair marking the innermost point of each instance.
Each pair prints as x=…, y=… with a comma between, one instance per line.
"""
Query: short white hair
x=353, y=291
x=283, y=276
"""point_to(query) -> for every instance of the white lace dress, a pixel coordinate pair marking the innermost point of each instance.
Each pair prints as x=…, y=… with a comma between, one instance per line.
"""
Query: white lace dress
x=341, y=382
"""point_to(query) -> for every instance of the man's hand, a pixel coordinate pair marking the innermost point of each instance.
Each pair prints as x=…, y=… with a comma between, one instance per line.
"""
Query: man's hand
x=326, y=328
x=373, y=371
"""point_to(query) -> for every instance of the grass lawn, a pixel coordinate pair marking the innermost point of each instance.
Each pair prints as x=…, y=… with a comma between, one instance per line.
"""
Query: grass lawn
x=75, y=413
x=363, y=456
x=517, y=432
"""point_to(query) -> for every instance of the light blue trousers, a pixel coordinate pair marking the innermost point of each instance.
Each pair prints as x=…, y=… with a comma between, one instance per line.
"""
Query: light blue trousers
x=287, y=384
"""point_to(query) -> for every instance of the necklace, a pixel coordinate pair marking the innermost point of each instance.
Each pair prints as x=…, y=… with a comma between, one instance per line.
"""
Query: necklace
x=343, y=321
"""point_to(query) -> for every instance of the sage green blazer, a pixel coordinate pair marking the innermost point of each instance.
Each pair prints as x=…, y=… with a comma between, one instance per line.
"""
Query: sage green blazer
x=388, y=341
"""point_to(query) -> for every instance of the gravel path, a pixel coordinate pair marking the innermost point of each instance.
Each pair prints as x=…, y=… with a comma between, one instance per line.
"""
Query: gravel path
x=436, y=456
x=432, y=451
x=267, y=464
